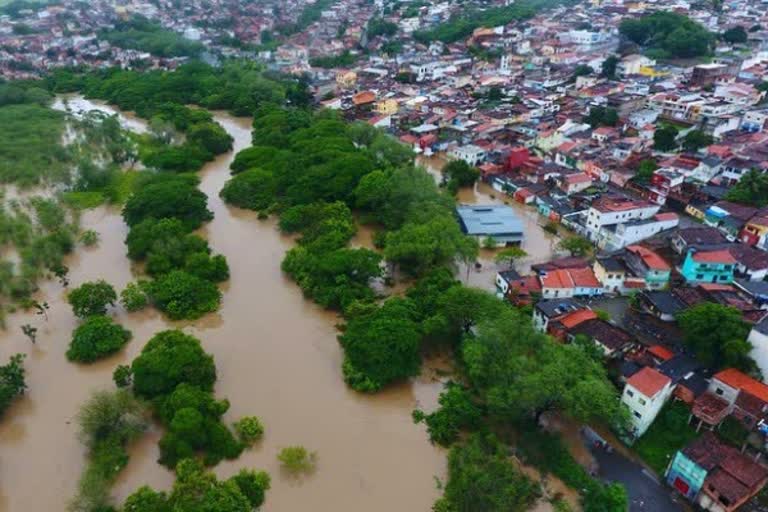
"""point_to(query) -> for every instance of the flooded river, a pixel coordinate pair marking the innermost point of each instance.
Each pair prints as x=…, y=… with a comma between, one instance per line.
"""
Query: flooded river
x=277, y=357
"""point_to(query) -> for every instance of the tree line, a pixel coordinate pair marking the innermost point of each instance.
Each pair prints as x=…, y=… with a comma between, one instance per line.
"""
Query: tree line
x=318, y=175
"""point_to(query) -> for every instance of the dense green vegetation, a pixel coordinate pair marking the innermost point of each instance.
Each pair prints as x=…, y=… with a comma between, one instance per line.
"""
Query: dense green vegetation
x=344, y=59
x=30, y=145
x=668, y=433
x=667, y=34
x=197, y=490
x=482, y=477
x=108, y=422
x=139, y=33
x=548, y=453
x=309, y=14
x=665, y=138
x=752, y=189
x=12, y=383
x=92, y=298
x=717, y=335
x=458, y=173
x=602, y=116
x=239, y=87
x=42, y=232
x=97, y=337
x=381, y=27
x=176, y=375
x=462, y=25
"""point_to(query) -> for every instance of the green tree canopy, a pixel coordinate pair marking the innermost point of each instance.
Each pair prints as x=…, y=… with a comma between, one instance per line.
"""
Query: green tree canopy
x=12, y=382
x=482, y=478
x=665, y=138
x=96, y=338
x=92, y=298
x=168, y=359
x=381, y=346
x=751, y=189
x=717, y=336
x=523, y=373
x=668, y=34
x=170, y=198
x=184, y=296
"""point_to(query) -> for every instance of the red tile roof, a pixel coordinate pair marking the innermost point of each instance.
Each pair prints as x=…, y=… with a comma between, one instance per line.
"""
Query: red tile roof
x=736, y=379
x=559, y=278
x=574, y=318
x=651, y=259
x=661, y=352
x=648, y=381
x=721, y=256
x=666, y=216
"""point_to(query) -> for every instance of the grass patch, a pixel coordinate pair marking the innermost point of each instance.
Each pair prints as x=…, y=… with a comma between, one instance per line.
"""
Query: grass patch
x=669, y=433
x=123, y=186
x=83, y=200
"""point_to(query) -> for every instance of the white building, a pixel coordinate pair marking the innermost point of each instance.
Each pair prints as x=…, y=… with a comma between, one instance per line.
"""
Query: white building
x=618, y=236
x=470, y=153
x=645, y=394
x=610, y=212
x=758, y=337
x=631, y=64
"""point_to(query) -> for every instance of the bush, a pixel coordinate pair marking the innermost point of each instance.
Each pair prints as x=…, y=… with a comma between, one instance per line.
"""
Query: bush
x=89, y=238
x=12, y=384
x=481, y=476
x=253, y=484
x=249, y=429
x=297, y=459
x=97, y=338
x=177, y=199
x=253, y=189
x=381, y=346
x=134, y=296
x=457, y=411
x=183, y=296
x=202, y=265
x=122, y=376
x=168, y=359
x=108, y=422
x=668, y=433
x=92, y=298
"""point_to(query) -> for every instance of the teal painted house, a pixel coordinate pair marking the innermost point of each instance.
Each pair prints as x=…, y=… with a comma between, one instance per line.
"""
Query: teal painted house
x=708, y=266
x=686, y=476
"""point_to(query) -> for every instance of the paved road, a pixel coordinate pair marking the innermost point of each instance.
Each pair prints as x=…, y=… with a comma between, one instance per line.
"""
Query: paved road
x=645, y=493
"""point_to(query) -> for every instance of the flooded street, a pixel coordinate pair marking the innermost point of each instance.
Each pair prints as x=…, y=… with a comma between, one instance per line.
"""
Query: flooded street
x=540, y=245
x=277, y=357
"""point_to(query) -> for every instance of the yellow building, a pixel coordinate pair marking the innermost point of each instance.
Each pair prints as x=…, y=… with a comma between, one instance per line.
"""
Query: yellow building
x=652, y=72
x=387, y=107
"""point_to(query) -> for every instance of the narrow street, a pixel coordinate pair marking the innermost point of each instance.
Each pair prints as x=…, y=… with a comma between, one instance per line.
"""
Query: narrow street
x=646, y=494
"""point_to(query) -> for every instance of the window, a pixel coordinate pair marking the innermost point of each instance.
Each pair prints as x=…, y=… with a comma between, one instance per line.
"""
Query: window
x=719, y=391
x=642, y=402
x=723, y=278
x=630, y=393
x=637, y=414
x=699, y=277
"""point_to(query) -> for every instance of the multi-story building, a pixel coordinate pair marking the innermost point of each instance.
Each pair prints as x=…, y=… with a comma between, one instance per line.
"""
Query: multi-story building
x=645, y=393
x=708, y=266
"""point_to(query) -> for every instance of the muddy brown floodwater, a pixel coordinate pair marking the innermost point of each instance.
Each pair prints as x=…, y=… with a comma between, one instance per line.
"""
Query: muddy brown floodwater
x=540, y=245
x=276, y=356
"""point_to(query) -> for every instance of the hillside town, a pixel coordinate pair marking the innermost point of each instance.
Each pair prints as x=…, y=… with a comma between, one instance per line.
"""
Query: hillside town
x=647, y=165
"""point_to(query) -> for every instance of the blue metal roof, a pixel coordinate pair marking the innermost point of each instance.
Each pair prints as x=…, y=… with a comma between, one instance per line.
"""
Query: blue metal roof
x=489, y=220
